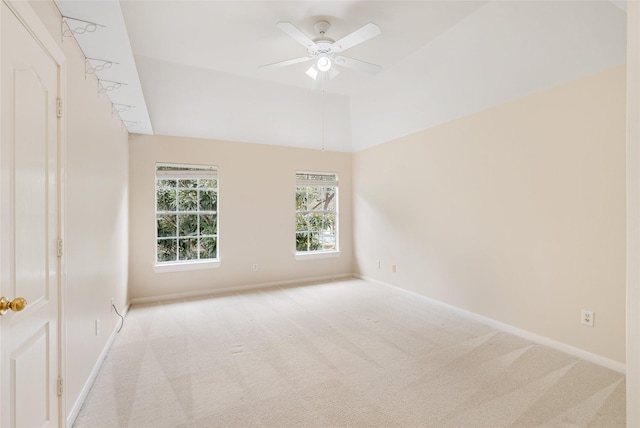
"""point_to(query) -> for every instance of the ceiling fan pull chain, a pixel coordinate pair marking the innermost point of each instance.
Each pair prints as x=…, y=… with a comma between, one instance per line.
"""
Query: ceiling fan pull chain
x=322, y=106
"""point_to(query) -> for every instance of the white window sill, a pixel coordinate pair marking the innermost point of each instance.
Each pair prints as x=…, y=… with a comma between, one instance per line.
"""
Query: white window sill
x=317, y=255
x=186, y=266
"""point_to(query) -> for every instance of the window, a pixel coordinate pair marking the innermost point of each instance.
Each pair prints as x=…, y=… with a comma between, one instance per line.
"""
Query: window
x=316, y=212
x=186, y=213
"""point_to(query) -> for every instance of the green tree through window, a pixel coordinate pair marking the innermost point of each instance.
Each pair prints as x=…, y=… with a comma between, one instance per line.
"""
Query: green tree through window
x=186, y=213
x=316, y=212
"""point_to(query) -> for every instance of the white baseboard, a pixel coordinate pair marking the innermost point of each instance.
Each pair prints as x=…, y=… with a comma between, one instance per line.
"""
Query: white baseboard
x=215, y=291
x=75, y=410
x=533, y=337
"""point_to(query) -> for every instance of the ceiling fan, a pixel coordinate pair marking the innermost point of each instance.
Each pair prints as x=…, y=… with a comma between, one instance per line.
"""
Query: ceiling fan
x=325, y=51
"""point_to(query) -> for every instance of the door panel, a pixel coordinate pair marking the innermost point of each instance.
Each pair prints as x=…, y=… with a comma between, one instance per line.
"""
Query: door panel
x=29, y=375
x=29, y=266
x=30, y=192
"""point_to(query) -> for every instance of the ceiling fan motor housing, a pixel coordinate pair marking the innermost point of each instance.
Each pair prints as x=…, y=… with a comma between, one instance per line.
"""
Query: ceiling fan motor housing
x=323, y=44
x=321, y=48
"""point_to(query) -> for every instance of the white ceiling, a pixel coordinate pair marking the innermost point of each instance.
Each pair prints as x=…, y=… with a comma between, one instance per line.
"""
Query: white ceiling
x=192, y=67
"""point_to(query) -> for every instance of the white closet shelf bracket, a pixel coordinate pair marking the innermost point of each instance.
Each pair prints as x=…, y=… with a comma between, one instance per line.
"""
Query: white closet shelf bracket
x=82, y=27
x=95, y=65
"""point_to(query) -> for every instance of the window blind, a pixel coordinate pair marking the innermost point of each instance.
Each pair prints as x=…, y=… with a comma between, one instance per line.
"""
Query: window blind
x=316, y=179
x=168, y=171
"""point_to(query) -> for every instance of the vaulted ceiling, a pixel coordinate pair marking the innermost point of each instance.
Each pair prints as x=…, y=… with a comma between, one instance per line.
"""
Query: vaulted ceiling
x=191, y=68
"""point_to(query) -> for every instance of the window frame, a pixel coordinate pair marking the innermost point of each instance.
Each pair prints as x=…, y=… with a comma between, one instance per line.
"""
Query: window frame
x=322, y=253
x=189, y=172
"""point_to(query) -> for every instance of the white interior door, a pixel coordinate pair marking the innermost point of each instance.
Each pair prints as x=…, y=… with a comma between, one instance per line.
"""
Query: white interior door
x=29, y=227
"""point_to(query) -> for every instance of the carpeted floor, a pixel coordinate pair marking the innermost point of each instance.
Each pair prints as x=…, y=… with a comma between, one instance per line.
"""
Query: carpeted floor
x=340, y=354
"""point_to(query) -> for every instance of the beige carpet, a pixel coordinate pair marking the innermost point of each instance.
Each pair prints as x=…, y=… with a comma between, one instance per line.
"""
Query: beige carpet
x=341, y=354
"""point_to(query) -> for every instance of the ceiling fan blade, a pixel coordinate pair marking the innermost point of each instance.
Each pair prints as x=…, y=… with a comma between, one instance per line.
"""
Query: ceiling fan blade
x=360, y=35
x=297, y=35
x=287, y=62
x=356, y=64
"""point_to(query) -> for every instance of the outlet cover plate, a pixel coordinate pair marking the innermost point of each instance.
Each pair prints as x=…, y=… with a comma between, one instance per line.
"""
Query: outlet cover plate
x=587, y=317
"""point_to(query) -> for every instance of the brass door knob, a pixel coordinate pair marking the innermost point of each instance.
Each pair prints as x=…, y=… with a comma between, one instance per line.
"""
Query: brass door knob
x=16, y=305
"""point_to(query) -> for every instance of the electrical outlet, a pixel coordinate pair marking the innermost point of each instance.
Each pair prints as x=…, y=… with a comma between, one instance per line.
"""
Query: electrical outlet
x=254, y=267
x=393, y=268
x=587, y=317
x=378, y=264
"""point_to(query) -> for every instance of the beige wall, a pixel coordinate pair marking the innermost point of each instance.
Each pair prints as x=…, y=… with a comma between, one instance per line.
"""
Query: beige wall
x=256, y=219
x=97, y=208
x=96, y=217
x=516, y=213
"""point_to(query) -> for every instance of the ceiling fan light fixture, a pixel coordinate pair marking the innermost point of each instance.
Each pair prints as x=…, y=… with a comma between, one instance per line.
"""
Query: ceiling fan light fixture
x=324, y=63
x=312, y=72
